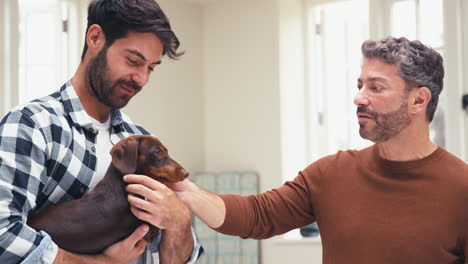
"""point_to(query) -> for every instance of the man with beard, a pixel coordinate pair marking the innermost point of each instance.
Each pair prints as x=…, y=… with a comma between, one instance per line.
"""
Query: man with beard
x=56, y=148
x=401, y=200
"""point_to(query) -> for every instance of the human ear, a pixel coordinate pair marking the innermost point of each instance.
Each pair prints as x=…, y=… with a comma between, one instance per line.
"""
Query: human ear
x=421, y=98
x=95, y=39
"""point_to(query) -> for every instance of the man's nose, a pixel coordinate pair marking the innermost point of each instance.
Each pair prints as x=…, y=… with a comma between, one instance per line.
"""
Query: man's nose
x=361, y=98
x=140, y=77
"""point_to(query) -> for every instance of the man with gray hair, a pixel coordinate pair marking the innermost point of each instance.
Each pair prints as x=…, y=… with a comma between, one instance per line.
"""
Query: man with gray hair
x=401, y=200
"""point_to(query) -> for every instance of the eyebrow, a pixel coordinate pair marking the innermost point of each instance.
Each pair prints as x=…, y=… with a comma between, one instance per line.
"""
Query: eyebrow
x=373, y=79
x=137, y=53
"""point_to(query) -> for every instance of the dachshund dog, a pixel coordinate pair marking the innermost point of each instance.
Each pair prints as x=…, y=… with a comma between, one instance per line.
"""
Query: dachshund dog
x=102, y=217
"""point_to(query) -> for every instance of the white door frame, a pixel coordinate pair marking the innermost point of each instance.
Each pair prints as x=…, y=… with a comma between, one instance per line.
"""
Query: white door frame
x=9, y=39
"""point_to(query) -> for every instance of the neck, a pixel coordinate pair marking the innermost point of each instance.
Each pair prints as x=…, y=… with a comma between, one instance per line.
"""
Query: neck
x=91, y=104
x=412, y=143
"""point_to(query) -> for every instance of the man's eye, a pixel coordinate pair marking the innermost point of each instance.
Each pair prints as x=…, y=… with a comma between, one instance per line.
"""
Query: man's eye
x=151, y=69
x=132, y=61
x=376, y=88
x=359, y=87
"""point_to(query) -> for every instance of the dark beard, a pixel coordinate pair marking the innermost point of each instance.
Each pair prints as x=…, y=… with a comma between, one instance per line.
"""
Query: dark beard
x=103, y=88
x=387, y=125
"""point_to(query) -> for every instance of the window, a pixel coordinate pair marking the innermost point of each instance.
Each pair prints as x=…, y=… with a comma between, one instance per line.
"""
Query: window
x=48, y=52
x=40, y=48
x=336, y=31
x=423, y=20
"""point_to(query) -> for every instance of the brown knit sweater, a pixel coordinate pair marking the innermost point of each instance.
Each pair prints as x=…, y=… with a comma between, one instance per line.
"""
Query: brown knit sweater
x=369, y=210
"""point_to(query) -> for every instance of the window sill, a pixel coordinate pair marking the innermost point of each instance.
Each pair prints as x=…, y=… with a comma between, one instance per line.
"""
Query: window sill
x=301, y=240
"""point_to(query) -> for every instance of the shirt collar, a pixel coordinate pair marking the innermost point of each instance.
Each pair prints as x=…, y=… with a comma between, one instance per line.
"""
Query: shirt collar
x=75, y=110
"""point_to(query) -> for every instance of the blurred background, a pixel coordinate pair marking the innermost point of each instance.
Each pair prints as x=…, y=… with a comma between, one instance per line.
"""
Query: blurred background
x=265, y=85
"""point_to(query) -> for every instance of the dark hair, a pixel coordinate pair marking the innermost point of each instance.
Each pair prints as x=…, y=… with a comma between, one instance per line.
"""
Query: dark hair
x=119, y=17
x=418, y=64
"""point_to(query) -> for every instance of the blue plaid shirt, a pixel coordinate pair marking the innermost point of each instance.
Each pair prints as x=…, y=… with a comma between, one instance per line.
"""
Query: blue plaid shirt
x=47, y=157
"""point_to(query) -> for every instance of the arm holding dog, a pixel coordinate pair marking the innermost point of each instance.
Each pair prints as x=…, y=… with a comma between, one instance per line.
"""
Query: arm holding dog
x=22, y=148
x=162, y=208
x=121, y=252
x=16, y=187
x=103, y=216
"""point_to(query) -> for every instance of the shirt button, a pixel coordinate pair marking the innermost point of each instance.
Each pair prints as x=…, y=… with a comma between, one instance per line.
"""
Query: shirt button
x=93, y=149
x=82, y=189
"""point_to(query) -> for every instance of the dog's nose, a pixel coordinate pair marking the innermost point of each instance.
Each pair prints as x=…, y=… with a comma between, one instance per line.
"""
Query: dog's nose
x=185, y=173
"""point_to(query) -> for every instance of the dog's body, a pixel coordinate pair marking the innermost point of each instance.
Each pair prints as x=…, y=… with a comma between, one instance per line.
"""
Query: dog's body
x=103, y=217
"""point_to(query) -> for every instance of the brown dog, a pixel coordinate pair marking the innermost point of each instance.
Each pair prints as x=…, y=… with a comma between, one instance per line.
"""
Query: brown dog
x=103, y=217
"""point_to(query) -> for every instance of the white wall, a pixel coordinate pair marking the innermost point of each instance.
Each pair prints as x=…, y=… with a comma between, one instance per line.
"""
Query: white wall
x=171, y=104
x=242, y=54
x=241, y=87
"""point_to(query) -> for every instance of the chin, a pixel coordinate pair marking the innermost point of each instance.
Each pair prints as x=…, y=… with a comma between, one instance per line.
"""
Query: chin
x=119, y=102
x=366, y=135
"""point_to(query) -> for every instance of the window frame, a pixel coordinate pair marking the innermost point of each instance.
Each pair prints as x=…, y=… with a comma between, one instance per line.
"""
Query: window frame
x=9, y=55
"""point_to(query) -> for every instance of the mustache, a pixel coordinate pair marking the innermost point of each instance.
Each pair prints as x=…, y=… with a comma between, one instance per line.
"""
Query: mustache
x=364, y=110
x=128, y=83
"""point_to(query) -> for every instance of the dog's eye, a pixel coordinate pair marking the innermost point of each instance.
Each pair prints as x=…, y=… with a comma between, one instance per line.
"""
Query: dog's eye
x=159, y=154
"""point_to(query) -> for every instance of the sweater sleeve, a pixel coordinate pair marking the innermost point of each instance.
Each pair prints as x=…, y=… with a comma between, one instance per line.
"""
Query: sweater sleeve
x=274, y=212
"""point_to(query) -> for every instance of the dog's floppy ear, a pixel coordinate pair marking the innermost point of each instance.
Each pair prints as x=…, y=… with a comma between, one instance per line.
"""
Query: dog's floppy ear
x=124, y=155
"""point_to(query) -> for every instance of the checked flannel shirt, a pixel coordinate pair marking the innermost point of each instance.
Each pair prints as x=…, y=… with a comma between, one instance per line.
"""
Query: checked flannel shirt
x=47, y=157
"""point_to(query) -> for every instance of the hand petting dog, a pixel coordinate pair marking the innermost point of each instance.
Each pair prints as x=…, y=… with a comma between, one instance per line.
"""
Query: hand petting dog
x=161, y=207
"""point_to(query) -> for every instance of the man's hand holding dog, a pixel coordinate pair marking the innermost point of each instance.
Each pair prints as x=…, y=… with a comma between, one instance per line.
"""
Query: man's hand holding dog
x=161, y=207
x=121, y=252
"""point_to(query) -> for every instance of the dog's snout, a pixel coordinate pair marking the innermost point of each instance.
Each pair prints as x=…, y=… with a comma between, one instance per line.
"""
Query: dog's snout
x=185, y=173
